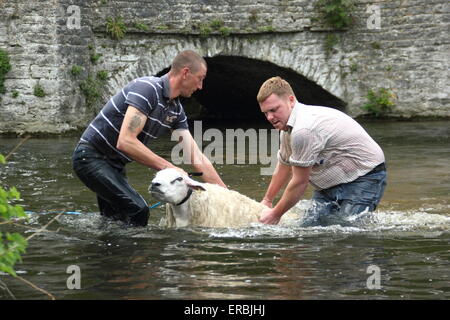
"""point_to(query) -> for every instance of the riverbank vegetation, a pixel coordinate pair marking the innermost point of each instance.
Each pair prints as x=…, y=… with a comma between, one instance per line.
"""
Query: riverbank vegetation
x=13, y=244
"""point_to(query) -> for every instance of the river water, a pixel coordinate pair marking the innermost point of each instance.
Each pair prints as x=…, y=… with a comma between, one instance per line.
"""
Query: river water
x=402, y=252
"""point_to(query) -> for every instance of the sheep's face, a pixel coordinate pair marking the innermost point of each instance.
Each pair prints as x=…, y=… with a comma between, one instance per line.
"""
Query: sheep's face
x=169, y=185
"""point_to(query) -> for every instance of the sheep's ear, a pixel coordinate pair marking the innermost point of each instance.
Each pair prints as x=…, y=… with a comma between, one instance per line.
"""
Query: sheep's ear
x=194, y=184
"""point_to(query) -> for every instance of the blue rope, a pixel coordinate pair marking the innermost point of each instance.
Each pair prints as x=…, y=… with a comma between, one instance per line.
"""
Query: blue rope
x=155, y=205
x=53, y=212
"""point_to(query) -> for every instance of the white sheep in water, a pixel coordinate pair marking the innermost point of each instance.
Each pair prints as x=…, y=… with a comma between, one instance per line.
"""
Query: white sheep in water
x=191, y=203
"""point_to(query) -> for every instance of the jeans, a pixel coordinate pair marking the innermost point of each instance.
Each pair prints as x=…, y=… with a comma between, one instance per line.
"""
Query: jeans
x=116, y=198
x=339, y=203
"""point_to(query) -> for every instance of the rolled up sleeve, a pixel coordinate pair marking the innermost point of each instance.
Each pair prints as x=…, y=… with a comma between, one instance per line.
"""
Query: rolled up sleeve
x=306, y=146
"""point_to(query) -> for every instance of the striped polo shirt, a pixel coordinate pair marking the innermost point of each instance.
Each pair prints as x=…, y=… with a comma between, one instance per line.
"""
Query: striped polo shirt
x=337, y=148
x=151, y=96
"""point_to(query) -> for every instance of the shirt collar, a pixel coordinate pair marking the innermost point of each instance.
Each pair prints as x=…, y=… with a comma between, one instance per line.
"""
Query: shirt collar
x=166, y=85
x=293, y=116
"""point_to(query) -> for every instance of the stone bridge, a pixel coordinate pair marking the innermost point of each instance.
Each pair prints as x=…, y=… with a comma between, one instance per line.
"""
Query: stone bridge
x=64, y=63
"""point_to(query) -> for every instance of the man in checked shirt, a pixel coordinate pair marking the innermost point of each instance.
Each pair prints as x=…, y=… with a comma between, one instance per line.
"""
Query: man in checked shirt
x=326, y=148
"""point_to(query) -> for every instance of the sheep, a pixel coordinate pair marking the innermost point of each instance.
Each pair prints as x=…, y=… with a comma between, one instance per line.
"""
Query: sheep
x=191, y=203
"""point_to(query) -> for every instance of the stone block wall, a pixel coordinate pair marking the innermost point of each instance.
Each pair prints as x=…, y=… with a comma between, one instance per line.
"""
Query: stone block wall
x=408, y=54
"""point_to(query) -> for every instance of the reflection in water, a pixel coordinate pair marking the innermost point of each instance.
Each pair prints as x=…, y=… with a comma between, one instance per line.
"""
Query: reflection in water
x=407, y=238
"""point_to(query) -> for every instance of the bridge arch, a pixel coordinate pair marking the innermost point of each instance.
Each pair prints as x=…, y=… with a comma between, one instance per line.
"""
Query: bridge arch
x=237, y=67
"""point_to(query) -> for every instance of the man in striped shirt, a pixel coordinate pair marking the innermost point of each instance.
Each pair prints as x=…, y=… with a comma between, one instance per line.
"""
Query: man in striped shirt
x=326, y=148
x=140, y=112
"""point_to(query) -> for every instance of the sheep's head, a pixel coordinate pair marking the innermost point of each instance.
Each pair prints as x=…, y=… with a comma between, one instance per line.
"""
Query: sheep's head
x=170, y=185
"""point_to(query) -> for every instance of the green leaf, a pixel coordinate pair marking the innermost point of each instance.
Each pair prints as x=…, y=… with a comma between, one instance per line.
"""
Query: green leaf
x=13, y=193
x=7, y=269
x=11, y=246
x=19, y=212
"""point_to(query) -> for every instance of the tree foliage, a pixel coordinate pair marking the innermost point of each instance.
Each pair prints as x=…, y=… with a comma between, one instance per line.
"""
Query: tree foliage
x=12, y=245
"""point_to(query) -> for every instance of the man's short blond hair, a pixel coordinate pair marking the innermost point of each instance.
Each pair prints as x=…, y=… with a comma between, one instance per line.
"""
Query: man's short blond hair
x=275, y=85
x=187, y=58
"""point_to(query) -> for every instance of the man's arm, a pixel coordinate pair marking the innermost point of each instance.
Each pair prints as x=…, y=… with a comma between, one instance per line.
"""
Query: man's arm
x=279, y=179
x=292, y=194
x=198, y=160
x=132, y=125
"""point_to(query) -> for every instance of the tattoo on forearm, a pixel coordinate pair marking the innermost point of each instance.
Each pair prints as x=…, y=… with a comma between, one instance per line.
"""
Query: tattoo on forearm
x=135, y=122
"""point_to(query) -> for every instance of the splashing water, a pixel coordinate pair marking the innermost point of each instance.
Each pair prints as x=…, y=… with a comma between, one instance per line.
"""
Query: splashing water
x=380, y=222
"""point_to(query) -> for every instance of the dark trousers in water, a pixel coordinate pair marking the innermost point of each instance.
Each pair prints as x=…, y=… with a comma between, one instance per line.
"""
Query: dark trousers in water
x=116, y=198
x=339, y=203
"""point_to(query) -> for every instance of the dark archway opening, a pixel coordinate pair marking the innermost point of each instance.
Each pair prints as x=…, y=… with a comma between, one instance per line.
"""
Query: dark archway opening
x=232, y=83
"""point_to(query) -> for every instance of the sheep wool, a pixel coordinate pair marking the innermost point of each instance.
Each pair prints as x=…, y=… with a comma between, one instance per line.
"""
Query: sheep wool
x=218, y=207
